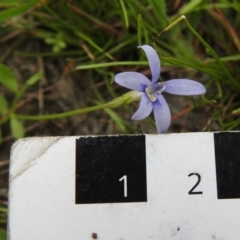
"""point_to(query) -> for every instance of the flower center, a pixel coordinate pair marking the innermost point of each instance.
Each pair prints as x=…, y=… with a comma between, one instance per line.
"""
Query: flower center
x=151, y=90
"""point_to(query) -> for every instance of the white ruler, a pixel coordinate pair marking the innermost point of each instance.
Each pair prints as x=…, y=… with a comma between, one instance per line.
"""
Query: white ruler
x=171, y=186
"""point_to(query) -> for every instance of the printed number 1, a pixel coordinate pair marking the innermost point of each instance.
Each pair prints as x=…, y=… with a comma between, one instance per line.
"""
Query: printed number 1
x=124, y=178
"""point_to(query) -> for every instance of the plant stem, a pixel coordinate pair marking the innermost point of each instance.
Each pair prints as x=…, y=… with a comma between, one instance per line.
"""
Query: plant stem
x=60, y=115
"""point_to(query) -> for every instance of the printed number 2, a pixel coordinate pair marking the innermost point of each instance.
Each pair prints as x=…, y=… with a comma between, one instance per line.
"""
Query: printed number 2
x=198, y=181
x=124, y=178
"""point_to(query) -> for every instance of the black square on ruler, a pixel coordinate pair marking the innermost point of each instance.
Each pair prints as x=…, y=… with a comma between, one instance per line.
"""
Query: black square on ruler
x=227, y=156
x=111, y=169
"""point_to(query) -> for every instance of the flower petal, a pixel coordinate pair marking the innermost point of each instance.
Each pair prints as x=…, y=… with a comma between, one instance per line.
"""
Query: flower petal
x=154, y=61
x=162, y=114
x=144, y=109
x=184, y=87
x=132, y=80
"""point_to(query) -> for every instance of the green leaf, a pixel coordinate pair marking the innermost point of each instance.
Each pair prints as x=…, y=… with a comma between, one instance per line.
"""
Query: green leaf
x=15, y=11
x=17, y=128
x=34, y=79
x=8, y=78
x=159, y=7
x=3, y=235
x=3, y=105
x=190, y=6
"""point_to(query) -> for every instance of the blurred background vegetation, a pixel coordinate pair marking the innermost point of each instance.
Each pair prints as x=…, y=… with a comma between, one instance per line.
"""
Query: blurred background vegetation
x=57, y=56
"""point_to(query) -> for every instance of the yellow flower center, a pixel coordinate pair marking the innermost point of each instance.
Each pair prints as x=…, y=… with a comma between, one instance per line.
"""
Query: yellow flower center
x=156, y=88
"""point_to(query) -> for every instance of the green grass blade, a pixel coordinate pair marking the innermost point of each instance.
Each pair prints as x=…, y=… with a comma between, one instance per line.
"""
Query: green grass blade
x=17, y=128
x=8, y=78
x=15, y=11
x=125, y=14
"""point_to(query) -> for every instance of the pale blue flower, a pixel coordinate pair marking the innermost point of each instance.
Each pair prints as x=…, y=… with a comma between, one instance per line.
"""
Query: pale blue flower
x=152, y=98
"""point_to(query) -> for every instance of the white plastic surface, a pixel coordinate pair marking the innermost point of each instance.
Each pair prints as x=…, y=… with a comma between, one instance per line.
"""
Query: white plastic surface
x=42, y=195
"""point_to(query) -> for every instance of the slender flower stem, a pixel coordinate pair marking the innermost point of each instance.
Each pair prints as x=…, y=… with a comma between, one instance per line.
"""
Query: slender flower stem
x=115, y=103
x=60, y=115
